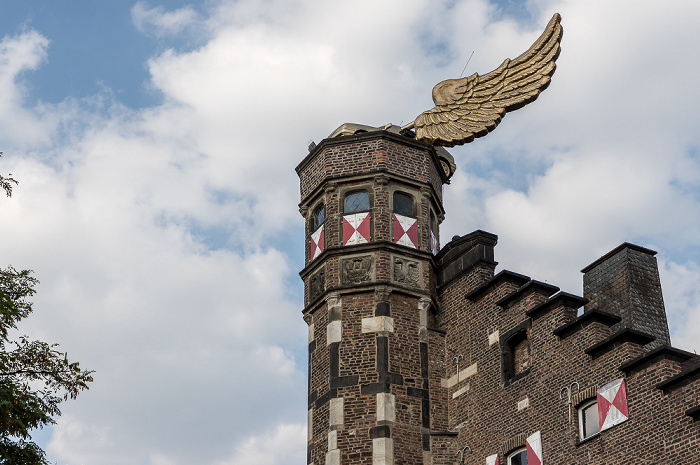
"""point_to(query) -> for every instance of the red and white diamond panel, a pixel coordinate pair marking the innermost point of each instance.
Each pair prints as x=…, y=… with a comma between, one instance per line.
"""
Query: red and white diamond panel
x=433, y=243
x=316, y=243
x=405, y=231
x=492, y=459
x=612, y=404
x=533, y=445
x=356, y=229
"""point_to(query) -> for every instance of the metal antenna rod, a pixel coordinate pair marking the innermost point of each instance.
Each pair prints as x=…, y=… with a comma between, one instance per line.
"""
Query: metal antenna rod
x=465, y=66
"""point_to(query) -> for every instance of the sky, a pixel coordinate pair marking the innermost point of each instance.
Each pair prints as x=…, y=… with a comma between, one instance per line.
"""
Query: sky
x=155, y=145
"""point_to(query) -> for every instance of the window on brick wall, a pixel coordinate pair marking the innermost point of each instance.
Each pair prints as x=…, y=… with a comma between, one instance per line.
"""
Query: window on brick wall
x=357, y=201
x=588, y=424
x=403, y=204
x=515, y=353
x=318, y=217
x=519, y=457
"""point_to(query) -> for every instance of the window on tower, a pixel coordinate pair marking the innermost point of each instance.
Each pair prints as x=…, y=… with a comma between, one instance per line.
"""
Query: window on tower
x=318, y=218
x=357, y=201
x=403, y=204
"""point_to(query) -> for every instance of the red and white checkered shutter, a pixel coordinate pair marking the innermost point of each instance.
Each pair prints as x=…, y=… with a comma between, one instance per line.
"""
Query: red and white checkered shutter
x=533, y=445
x=612, y=404
x=492, y=459
x=356, y=228
x=316, y=242
x=406, y=231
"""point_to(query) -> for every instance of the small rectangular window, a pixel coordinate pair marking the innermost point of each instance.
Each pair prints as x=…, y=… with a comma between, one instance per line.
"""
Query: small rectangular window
x=588, y=420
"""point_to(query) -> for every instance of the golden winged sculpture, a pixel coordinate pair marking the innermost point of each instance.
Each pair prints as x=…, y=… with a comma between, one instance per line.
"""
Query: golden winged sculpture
x=473, y=106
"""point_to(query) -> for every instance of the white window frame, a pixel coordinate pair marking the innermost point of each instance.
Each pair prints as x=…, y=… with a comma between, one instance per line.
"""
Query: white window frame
x=581, y=408
x=516, y=453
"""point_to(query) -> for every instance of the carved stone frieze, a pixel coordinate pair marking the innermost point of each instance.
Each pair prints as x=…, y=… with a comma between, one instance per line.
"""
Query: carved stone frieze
x=356, y=270
x=406, y=271
x=317, y=283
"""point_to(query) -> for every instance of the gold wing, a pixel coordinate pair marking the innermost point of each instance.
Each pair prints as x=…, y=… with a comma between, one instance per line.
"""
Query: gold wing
x=473, y=106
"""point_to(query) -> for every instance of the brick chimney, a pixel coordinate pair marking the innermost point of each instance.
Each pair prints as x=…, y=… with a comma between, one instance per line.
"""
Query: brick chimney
x=626, y=282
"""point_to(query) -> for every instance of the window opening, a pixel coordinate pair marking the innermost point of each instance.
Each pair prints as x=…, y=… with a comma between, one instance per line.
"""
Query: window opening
x=515, y=353
x=519, y=457
x=588, y=424
x=403, y=204
x=319, y=217
x=356, y=202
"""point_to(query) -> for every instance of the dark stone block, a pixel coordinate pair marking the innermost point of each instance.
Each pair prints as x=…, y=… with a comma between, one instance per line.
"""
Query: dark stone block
x=379, y=432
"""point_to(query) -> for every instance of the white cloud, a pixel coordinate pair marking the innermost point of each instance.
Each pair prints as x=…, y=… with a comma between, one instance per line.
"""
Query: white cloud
x=279, y=446
x=159, y=22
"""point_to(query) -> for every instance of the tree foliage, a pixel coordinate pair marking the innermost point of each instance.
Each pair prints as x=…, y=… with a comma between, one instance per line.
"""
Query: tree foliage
x=6, y=183
x=35, y=377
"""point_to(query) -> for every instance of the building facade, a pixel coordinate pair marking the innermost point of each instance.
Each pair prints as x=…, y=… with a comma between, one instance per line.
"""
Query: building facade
x=421, y=354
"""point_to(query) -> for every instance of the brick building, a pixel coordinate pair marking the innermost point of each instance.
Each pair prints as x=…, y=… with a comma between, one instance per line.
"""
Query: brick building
x=424, y=355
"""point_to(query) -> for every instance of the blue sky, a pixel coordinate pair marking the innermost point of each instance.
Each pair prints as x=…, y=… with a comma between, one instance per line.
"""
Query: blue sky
x=155, y=145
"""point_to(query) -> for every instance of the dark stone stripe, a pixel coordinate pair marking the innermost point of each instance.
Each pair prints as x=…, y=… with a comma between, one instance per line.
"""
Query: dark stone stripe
x=391, y=378
x=331, y=394
x=424, y=359
x=345, y=381
x=334, y=360
x=415, y=392
x=379, y=432
x=375, y=388
x=312, y=398
x=426, y=441
x=312, y=346
x=382, y=354
x=425, y=413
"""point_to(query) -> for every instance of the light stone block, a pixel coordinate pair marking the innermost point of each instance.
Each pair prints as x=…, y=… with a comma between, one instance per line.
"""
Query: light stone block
x=309, y=426
x=386, y=407
x=463, y=374
x=311, y=333
x=460, y=391
x=523, y=404
x=332, y=440
x=493, y=337
x=336, y=412
x=333, y=457
x=382, y=451
x=334, y=332
x=377, y=324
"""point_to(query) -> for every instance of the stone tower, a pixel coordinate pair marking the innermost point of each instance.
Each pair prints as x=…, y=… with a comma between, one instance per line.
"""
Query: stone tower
x=372, y=201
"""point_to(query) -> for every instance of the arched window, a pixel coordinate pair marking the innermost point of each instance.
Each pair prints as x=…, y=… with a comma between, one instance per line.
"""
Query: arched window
x=357, y=201
x=403, y=204
x=519, y=457
x=588, y=424
x=318, y=217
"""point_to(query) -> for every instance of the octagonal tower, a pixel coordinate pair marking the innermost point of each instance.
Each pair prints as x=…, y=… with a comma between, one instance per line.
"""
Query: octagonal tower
x=372, y=201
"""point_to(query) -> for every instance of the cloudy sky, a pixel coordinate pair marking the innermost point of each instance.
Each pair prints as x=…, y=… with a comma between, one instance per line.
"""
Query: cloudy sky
x=155, y=145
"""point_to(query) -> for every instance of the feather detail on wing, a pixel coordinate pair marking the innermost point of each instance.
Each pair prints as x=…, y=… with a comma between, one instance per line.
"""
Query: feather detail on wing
x=473, y=106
